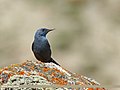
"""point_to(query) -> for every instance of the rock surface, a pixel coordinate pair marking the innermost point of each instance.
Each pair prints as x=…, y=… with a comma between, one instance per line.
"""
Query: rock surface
x=44, y=76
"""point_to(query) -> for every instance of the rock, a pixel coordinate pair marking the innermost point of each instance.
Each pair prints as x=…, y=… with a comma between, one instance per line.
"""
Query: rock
x=35, y=75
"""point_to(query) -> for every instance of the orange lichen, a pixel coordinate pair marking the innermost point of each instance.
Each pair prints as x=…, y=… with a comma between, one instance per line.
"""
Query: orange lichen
x=46, y=69
x=100, y=88
x=59, y=81
x=6, y=68
x=28, y=74
x=80, y=83
x=91, y=89
x=41, y=74
x=21, y=73
x=24, y=63
x=32, y=67
x=61, y=73
x=96, y=89
x=1, y=71
x=56, y=70
x=53, y=74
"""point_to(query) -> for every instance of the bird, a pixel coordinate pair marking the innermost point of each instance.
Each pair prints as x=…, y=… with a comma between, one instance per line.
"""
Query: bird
x=41, y=47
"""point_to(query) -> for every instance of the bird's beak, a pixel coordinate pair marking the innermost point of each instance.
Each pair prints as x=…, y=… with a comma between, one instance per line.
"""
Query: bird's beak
x=51, y=29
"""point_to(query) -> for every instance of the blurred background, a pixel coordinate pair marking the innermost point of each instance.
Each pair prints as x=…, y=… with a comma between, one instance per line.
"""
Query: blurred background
x=86, y=40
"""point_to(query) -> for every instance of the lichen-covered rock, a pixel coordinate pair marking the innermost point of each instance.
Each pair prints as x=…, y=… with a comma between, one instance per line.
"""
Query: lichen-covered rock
x=43, y=75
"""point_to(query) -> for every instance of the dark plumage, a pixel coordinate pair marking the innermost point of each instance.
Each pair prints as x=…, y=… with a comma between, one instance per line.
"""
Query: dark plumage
x=41, y=47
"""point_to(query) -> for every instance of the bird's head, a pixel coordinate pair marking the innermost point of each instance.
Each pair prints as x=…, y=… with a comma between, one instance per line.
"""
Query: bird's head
x=42, y=32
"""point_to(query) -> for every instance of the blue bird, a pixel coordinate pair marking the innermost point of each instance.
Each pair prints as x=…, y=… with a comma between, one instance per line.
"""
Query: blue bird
x=41, y=47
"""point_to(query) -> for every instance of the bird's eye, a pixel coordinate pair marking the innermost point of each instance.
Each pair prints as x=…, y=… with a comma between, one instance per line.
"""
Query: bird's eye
x=43, y=29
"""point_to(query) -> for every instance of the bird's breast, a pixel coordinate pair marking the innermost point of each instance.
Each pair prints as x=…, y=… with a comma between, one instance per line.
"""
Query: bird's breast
x=41, y=44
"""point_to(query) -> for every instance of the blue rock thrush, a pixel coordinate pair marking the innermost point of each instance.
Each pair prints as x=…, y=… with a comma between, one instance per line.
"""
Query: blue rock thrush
x=41, y=46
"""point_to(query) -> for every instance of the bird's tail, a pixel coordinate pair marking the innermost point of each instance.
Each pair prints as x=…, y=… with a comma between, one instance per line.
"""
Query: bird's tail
x=52, y=60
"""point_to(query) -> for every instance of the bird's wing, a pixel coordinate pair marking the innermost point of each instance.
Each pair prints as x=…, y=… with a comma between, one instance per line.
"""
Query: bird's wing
x=47, y=48
x=45, y=52
x=42, y=50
